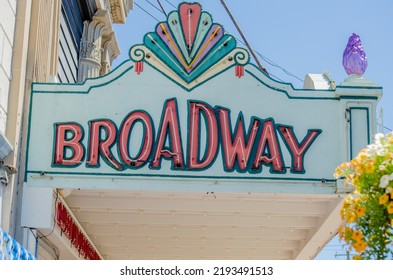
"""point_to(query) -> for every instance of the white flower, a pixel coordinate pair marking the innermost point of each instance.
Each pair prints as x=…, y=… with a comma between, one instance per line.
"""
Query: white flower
x=374, y=149
x=391, y=177
x=384, y=181
x=388, y=190
x=382, y=167
x=378, y=138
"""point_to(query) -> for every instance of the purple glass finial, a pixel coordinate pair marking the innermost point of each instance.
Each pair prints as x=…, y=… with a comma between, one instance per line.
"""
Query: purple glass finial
x=354, y=57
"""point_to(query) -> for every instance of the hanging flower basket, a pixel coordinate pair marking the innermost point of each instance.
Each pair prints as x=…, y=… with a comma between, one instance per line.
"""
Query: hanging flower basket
x=367, y=213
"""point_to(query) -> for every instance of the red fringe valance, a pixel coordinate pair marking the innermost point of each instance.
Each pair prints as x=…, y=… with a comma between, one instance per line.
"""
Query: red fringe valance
x=72, y=231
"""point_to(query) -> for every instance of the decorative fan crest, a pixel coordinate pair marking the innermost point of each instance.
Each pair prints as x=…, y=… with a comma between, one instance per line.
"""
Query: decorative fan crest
x=189, y=48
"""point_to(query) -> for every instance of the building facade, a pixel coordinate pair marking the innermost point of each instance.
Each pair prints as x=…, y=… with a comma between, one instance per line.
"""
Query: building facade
x=63, y=41
x=185, y=151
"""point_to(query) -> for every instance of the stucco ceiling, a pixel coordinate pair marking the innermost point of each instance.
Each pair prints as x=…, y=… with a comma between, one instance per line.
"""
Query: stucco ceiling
x=191, y=225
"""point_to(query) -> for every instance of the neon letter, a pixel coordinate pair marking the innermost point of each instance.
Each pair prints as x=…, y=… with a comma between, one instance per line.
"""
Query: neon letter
x=235, y=146
x=169, y=125
x=298, y=150
x=73, y=143
x=268, y=141
x=147, y=141
x=196, y=110
x=102, y=147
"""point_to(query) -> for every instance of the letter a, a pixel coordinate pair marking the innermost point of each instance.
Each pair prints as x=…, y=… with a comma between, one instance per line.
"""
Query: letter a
x=269, y=142
x=169, y=127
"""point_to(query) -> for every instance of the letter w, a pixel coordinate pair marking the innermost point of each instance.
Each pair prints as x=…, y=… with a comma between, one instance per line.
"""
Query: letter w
x=235, y=147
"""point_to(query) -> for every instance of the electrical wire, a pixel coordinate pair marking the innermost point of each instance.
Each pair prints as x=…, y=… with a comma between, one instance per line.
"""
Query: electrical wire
x=32, y=232
x=158, y=9
x=47, y=242
x=267, y=60
x=162, y=8
x=272, y=63
x=146, y=12
x=39, y=236
x=54, y=218
x=170, y=4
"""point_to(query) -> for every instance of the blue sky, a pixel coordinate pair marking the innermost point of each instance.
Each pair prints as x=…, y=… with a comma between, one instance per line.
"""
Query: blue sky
x=300, y=37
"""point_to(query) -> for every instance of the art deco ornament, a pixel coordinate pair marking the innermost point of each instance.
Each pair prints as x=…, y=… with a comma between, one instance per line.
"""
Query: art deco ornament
x=354, y=57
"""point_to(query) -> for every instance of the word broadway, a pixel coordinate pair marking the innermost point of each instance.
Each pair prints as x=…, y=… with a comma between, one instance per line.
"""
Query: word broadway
x=209, y=130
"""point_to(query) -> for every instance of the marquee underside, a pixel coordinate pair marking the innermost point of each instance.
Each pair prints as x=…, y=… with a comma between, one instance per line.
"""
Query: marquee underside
x=194, y=225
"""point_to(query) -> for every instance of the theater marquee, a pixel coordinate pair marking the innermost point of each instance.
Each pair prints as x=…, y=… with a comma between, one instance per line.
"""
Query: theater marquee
x=189, y=112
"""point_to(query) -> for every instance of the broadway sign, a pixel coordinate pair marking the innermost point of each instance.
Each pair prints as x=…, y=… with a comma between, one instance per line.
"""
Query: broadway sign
x=188, y=111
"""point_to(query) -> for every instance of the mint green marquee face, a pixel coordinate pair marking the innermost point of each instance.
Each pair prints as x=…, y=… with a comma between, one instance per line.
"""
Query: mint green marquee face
x=189, y=112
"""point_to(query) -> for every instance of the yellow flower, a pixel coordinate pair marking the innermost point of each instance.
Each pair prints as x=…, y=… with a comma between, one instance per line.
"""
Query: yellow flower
x=357, y=235
x=342, y=231
x=383, y=199
x=371, y=181
x=355, y=181
x=362, y=155
x=360, y=169
x=341, y=169
x=350, y=217
x=390, y=208
x=357, y=257
x=360, y=211
x=369, y=168
x=348, y=234
x=342, y=213
x=360, y=246
x=343, y=166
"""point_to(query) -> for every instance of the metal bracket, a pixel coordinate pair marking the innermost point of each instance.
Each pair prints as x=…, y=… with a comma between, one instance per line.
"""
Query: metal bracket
x=347, y=115
x=5, y=172
x=341, y=188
